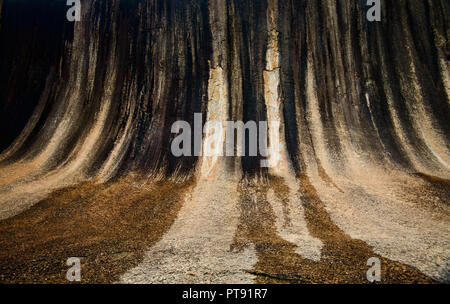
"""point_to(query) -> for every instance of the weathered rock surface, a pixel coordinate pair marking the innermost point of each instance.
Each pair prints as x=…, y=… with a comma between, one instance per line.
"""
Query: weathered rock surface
x=363, y=155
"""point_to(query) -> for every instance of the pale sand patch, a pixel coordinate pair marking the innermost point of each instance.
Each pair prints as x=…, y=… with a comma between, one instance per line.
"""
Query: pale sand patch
x=290, y=219
x=196, y=249
x=291, y=225
x=369, y=209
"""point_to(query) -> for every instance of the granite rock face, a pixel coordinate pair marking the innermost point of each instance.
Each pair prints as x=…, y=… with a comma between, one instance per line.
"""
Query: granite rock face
x=117, y=80
x=358, y=115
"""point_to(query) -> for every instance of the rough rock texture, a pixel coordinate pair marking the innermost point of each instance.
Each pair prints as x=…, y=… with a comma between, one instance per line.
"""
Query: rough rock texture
x=361, y=156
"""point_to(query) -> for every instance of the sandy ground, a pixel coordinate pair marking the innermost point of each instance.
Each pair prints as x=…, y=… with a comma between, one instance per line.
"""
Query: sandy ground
x=108, y=226
x=398, y=216
x=197, y=248
x=224, y=229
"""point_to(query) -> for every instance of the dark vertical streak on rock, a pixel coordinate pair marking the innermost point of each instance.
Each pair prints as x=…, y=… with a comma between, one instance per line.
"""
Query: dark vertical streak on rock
x=249, y=40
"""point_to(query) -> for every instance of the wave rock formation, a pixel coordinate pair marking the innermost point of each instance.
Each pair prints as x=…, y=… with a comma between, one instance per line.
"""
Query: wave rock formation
x=362, y=169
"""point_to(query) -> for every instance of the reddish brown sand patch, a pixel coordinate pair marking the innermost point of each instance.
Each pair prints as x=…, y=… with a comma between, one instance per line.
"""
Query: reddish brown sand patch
x=108, y=226
x=343, y=259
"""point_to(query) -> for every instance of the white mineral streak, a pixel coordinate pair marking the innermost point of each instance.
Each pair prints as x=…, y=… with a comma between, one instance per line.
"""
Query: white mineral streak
x=276, y=145
x=214, y=129
x=296, y=232
x=197, y=248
